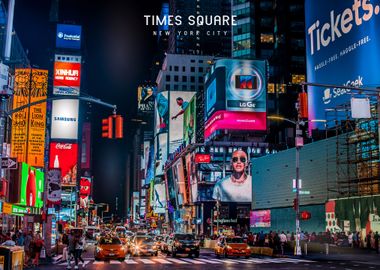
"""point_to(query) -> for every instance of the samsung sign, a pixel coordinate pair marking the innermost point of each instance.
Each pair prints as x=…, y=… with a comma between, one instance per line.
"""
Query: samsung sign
x=342, y=48
x=65, y=119
x=68, y=36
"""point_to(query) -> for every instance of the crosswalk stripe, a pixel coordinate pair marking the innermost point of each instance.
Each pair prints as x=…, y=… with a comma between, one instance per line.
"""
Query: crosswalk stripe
x=177, y=261
x=129, y=261
x=243, y=261
x=85, y=263
x=208, y=261
x=295, y=260
x=114, y=262
x=146, y=261
x=193, y=261
x=225, y=261
x=257, y=261
x=273, y=261
x=162, y=261
x=98, y=262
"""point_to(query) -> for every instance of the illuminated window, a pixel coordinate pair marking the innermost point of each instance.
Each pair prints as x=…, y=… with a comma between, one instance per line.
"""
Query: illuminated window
x=281, y=88
x=270, y=88
x=266, y=38
x=298, y=78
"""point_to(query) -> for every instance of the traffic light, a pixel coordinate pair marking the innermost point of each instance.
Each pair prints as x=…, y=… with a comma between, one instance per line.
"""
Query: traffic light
x=118, y=126
x=305, y=215
x=302, y=99
x=295, y=204
x=107, y=127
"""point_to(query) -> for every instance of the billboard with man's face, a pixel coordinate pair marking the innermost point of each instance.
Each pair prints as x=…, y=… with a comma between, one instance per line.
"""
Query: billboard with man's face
x=236, y=187
x=145, y=98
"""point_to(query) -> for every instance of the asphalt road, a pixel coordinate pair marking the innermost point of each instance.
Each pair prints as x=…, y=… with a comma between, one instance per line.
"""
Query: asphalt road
x=206, y=261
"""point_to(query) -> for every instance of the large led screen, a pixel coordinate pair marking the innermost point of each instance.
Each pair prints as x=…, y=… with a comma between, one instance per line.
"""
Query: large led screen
x=67, y=75
x=159, y=197
x=68, y=36
x=342, y=48
x=64, y=124
x=32, y=186
x=64, y=156
x=189, y=122
x=260, y=219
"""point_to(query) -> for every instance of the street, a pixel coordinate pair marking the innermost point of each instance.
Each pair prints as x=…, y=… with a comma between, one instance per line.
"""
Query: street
x=208, y=259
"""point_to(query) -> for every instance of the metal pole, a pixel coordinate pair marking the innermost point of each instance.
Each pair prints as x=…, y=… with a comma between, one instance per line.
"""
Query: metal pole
x=298, y=229
x=217, y=217
x=3, y=107
x=8, y=40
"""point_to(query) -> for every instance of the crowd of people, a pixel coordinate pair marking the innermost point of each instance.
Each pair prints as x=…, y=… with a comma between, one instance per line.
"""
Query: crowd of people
x=74, y=242
x=33, y=245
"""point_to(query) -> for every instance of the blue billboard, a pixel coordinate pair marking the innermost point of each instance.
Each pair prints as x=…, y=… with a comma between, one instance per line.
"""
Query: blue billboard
x=69, y=36
x=342, y=48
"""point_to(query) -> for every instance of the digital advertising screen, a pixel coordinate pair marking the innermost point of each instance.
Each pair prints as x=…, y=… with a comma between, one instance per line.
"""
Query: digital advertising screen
x=237, y=186
x=85, y=192
x=192, y=177
x=32, y=186
x=161, y=152
x=179, y=101
x=159, y=197
x=145, y=98
x=161, y=112
x=179, y=177
x=54, y=186
x=67, y=75
x=211, y=95
x=189, y=122
x=340, y=37
x=69, y=36
x=86, y=146
x=64, y=122
x=260, y=219
x=64, y=156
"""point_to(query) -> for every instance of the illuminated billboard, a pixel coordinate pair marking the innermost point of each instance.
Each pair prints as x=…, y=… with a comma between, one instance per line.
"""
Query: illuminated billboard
x=64, y=156
x=189, y=122
x=54, y=185
x=162, y=112
x=180, y=182
x=342, y=48
x=64, y=123
x=29, y=124
x=260, y=219
x=68, y=36
x=161, y=152
x=32, y=186
x=145, y=98
x=67, y=75
x=192, y=177
x=159, y=197
x=179, y=101
x=85, y=192
x=221, y=120
x=86, y=146
x=236, y=187
x=237, y=85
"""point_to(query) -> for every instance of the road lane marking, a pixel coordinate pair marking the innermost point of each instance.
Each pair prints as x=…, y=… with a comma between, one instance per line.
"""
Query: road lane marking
x=177, y=261
x=208, y=261
x=193, y=261
x=257, y=261
x=162, y=261
x=114, y=262
x=225, y=261
x=130, y=261
x=243, y=261
x=146, y=261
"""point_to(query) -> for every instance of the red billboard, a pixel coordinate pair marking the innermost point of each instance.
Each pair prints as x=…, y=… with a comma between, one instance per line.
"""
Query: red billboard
x=85, y=191
x=67, y=72
x=64, y=156
x=235, y=121
x=202, y=158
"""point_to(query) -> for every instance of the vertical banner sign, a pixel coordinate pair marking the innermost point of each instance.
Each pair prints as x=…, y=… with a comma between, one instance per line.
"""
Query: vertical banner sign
x=20, y=118
x=54, y=186
x=37, y=118
x=86, y=146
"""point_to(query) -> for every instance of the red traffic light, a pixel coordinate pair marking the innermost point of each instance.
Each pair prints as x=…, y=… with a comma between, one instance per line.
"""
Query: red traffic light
x=303, y=111
x=118, y=126
x=107, y=127
x=305, y=215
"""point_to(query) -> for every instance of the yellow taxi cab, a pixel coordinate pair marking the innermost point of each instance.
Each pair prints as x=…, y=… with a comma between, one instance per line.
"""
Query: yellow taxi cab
x=110, y=248
x=232, y=246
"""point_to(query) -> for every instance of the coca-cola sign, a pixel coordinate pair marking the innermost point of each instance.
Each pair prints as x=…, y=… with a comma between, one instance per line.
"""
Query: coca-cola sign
x=64, y=146
x=64, y=156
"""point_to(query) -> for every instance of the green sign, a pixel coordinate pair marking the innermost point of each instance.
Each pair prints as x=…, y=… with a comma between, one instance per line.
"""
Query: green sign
x=189, y=122
x=32, y=186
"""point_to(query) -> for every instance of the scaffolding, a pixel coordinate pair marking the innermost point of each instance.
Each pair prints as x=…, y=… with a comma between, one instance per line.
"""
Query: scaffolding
x=355, y=158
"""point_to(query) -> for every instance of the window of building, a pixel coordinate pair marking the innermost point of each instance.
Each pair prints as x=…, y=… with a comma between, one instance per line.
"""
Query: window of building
x=200, y=87
x=184, y=78
x=168, y=78
x=170, y=68
x=176, y=87
x=200, y=69
x=266, y=38
x=192, y=61
x=200, y=79
x=184, y=87
x=176, y=68
x=192, y=69
x=192, y=78
x=176, y=78
x=270, y=88
x=200, y=61
x=183, y=69
x=167, y=87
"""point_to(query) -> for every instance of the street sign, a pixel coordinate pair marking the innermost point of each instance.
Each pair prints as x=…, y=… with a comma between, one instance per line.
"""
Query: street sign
x=9, y=163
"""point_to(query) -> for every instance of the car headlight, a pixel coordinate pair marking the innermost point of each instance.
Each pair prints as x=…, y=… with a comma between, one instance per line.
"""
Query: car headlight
x=228, y=247
x=98, y=249
x=178, y=244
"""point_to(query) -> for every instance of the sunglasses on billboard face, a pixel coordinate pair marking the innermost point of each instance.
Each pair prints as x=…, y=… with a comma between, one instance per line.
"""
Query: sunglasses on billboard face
x=236, y=159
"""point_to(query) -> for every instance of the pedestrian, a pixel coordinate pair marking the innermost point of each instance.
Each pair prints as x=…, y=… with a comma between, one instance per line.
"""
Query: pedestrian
x=71, y=247
x=368, y=241
x=377, y=242
x=20, y=239
x=38, y=245
x=283, y=241
x=27, y=248
x=79, y=246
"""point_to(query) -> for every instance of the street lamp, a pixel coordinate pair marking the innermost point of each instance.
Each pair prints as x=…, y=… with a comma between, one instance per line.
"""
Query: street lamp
x=298, y=144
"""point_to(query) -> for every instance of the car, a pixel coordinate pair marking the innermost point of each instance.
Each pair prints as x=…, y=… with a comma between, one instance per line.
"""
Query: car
x=180, y=243
x=232, y=246
x=92, y=233
x=164, y=244
x=143, y=245
x=109, y=247
x=159, y=239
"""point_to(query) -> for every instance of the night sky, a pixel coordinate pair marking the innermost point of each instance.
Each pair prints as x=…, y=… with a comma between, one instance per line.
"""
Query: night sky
x=117, y=50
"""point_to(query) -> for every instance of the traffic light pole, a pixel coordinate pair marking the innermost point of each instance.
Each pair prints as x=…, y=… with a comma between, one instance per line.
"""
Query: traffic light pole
x=298, y=229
